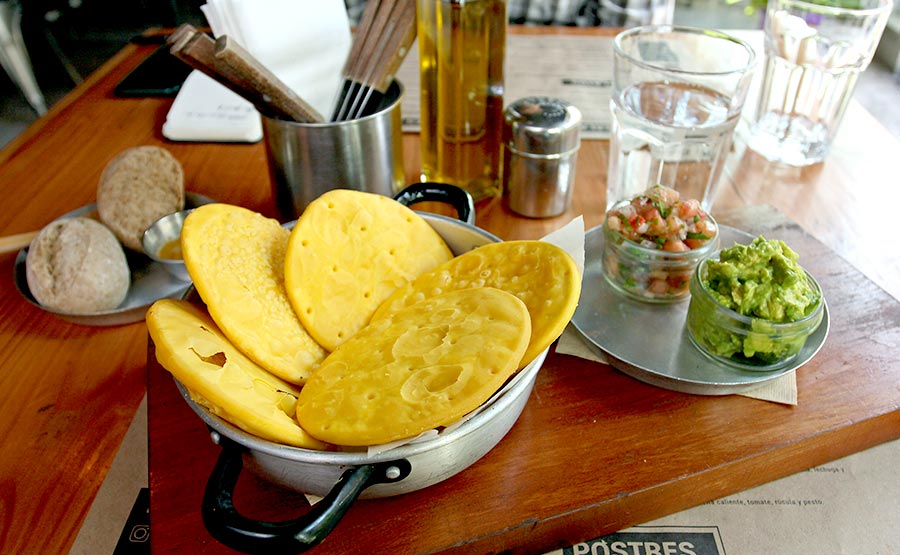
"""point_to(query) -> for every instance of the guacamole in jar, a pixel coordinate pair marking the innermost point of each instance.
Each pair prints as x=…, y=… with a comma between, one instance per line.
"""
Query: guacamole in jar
x=762, y=279
x=764, y=283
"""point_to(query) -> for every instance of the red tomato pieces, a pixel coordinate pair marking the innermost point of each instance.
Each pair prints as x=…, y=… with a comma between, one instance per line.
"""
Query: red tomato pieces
x=659, y=219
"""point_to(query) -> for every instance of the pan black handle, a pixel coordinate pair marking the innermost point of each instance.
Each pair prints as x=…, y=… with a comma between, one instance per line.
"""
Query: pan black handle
x=433, y=191
x=290, y=536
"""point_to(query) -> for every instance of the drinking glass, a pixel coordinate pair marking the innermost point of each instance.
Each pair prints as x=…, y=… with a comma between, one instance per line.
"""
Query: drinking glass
x=677, y=96
x=814, y=55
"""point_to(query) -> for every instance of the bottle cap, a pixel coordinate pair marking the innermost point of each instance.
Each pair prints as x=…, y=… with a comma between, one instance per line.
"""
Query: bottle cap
x=541, y=125
x=540, y=136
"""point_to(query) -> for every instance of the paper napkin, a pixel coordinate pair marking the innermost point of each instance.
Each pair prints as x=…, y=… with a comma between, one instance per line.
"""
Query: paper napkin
x=303, y=42
x=204, y=111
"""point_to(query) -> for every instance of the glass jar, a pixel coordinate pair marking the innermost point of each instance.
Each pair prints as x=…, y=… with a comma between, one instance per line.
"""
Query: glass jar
x=746, y=342
x=650, y=274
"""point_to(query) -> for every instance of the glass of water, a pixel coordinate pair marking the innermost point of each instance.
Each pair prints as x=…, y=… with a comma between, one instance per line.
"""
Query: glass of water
x=677, y=95
x=814, y=55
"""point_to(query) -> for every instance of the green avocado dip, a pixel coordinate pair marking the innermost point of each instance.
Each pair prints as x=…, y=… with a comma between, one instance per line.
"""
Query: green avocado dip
x=763, y=282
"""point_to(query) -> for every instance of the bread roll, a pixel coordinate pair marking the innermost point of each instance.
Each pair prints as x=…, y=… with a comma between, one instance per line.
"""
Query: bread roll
x=77, y=265
x=139, y=186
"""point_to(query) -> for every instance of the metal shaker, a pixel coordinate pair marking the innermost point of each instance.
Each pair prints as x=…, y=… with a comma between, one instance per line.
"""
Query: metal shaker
x=540, y=150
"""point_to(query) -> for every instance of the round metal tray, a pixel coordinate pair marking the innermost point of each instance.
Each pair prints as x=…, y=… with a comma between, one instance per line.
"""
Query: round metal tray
x=650, y=342
x=150, y=281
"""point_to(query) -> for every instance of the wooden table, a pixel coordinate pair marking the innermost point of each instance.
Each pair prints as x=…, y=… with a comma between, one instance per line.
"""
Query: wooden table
x=593, y=452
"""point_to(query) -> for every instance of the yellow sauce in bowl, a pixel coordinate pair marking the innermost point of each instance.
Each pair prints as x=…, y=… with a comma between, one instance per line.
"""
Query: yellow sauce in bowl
x=171, y=250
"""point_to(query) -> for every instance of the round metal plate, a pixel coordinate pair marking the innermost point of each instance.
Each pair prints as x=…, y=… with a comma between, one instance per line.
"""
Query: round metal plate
x=150, y=281
x=650, y=342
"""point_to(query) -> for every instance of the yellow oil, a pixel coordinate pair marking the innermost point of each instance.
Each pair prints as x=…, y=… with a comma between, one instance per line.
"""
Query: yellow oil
x=461, y=50
x=171, y=250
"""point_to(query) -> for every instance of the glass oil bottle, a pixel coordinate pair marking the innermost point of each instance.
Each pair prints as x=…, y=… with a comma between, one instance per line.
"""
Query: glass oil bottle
x=462, y=45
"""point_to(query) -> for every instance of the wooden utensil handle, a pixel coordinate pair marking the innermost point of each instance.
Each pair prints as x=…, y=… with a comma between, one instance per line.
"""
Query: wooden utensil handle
x=267, y=85
x=198, y=50
x=12, y=243
x=400, y=36
x=385, y=34
x=195, y=48
x=237, y=70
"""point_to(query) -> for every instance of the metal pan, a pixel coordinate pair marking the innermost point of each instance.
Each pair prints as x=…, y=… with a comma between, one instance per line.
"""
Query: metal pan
x=341, y=477
x=150, y=281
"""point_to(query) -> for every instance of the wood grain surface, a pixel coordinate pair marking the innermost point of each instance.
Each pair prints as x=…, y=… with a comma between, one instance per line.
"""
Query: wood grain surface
x=594, y=451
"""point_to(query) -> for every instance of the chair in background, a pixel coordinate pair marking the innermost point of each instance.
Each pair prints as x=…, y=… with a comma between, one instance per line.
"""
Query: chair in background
x=591, y=13
x=573, y=13
x=14, y=56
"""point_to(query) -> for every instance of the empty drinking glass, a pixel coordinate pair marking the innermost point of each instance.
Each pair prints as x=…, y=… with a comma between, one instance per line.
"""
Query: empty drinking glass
x=814, y=55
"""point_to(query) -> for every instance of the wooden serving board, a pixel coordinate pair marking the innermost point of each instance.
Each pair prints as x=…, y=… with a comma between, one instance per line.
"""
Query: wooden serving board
x=594, y=450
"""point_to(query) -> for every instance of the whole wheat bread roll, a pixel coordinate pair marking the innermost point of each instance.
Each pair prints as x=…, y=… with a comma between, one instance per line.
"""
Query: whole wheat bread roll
x=77, y=265
x=139, y=186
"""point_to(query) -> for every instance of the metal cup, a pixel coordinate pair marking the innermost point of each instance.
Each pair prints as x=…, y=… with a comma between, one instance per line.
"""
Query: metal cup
x=308, y=159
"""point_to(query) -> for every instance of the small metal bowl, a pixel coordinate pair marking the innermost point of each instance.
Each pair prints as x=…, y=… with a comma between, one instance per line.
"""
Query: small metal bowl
x=162, y=243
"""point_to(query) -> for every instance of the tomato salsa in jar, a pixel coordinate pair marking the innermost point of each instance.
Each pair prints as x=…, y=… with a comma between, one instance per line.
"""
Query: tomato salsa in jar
x=653, y=243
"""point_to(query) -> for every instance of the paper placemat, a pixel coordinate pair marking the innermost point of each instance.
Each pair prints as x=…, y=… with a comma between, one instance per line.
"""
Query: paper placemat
x=110, y=526
x=205, y=111
x=845, y=507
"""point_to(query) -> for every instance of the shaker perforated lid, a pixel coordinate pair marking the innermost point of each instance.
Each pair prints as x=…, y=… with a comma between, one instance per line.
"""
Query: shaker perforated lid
x=541, y=125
